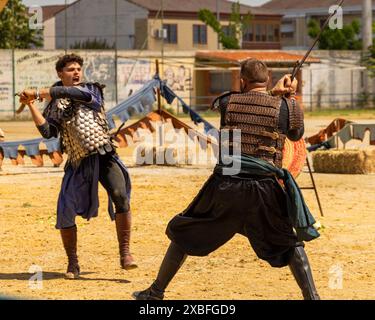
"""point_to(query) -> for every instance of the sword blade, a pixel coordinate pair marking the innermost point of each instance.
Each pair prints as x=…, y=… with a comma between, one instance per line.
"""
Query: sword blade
x=300, y=63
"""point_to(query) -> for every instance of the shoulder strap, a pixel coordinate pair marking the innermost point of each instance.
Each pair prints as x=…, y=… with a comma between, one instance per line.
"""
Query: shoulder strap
x=221, y=100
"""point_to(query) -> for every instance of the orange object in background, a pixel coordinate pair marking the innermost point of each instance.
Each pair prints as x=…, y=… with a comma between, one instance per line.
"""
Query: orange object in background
x=3, y=4
x=324, y=134
x=294, y=156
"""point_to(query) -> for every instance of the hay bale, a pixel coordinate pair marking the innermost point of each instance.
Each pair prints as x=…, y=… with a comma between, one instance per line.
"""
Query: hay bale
x=369, y=165
x=344, y=161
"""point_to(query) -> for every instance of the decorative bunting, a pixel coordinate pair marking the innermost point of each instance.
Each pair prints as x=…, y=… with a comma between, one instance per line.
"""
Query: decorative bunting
x=32, y=147
x=169, y=96
x=139, y=102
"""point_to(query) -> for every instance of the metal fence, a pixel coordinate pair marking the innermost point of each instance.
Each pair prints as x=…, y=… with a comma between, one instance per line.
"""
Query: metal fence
x=124, y=72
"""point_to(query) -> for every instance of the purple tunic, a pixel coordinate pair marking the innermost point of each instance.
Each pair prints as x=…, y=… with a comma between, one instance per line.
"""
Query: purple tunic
x=79, y=188
x=79, y=191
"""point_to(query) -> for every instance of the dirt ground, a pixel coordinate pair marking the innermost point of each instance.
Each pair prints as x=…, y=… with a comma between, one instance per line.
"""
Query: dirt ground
x=28, y=237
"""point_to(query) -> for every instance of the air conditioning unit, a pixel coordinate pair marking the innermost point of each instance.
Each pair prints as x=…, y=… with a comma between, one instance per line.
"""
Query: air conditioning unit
x=160, y=33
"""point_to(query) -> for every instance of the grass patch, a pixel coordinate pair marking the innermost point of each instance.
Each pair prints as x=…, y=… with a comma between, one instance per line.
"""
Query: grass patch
x=337, y=113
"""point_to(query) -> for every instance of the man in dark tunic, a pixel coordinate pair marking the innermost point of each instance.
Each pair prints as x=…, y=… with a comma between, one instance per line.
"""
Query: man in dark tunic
x=253, y=202
x=76, y=114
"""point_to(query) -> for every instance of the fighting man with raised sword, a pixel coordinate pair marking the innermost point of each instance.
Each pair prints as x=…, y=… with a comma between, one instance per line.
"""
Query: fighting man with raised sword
x=75, y=113
x=262, y=201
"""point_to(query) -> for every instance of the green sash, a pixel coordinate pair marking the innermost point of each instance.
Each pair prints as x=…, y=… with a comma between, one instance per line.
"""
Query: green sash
x=298, y=211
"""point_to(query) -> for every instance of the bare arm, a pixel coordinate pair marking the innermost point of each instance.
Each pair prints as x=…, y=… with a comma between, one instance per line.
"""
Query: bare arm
x=46, y=129
x=36, y=114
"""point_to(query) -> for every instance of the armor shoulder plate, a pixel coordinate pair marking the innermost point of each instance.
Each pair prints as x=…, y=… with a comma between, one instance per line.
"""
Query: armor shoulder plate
x=222, y=100
x=295, y=114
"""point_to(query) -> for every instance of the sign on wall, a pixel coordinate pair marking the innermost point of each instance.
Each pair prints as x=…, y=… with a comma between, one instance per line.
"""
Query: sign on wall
x=6, y=84
x=35, y=69
x=178, y=75
x=132, y=75
x=99, y=66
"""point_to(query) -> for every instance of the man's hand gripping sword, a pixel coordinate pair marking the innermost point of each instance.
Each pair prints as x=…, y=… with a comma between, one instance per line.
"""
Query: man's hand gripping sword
x=22, y=106
x=25, y=99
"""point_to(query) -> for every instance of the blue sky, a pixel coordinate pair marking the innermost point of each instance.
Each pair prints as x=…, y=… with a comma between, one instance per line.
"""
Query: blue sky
x=51, y=2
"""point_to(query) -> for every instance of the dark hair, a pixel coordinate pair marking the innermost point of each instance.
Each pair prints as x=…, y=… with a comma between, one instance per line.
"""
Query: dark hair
x=254, y=70
x=64, y=60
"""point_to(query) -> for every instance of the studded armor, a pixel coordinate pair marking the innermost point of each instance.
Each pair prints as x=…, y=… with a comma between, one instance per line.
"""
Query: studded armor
x=257, y=116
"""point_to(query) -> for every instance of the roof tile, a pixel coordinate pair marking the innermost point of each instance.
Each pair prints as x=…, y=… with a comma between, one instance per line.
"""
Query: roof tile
x=298, y=4
x=240, y=55
x=195, y=5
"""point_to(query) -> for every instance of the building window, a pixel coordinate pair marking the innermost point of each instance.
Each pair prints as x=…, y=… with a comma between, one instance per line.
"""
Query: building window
x=273, y=34
x=171, y=33
x=260, y=32
x=228, y=31
x=257, y=32
x=248, y=33
x=287, y=30
x=264, y=32
x=287, y=35
x=277, y=33
x=220, y=81
x=199, y=34
x=270, y=33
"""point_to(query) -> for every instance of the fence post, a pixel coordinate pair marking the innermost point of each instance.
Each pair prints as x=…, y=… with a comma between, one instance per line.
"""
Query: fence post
x=116, y=54
x=311, y=91
x=352, y=88
x=14, y=84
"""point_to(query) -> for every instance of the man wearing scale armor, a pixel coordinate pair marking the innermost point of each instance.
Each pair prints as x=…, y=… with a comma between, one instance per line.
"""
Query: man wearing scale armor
x=76, y=114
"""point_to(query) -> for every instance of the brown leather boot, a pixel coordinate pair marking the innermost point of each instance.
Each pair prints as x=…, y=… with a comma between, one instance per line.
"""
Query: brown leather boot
x=69, y=238
x=123, y=227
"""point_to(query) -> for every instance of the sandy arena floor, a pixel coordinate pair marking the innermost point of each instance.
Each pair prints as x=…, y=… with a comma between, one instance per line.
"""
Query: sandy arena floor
x=28, y=237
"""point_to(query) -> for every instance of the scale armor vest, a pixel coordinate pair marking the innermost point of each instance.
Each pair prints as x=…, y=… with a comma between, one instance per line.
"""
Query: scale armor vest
x=257, y=116
x=84, y=131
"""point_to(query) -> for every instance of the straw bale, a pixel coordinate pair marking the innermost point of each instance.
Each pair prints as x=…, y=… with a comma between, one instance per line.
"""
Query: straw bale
x=344, y=161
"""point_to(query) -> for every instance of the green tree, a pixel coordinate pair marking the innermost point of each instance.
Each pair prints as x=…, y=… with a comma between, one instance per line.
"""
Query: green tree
x=368, y=57
x=237, y=24
x=346, y=38
x=14, y=28
x=92, y=44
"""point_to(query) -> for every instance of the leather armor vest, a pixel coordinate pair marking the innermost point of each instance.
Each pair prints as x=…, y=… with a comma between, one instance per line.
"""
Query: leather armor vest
x=257, y=116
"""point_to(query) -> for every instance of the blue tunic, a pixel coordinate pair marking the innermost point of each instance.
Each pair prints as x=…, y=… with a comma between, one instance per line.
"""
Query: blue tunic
x=79, y=191
x=79, y=188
